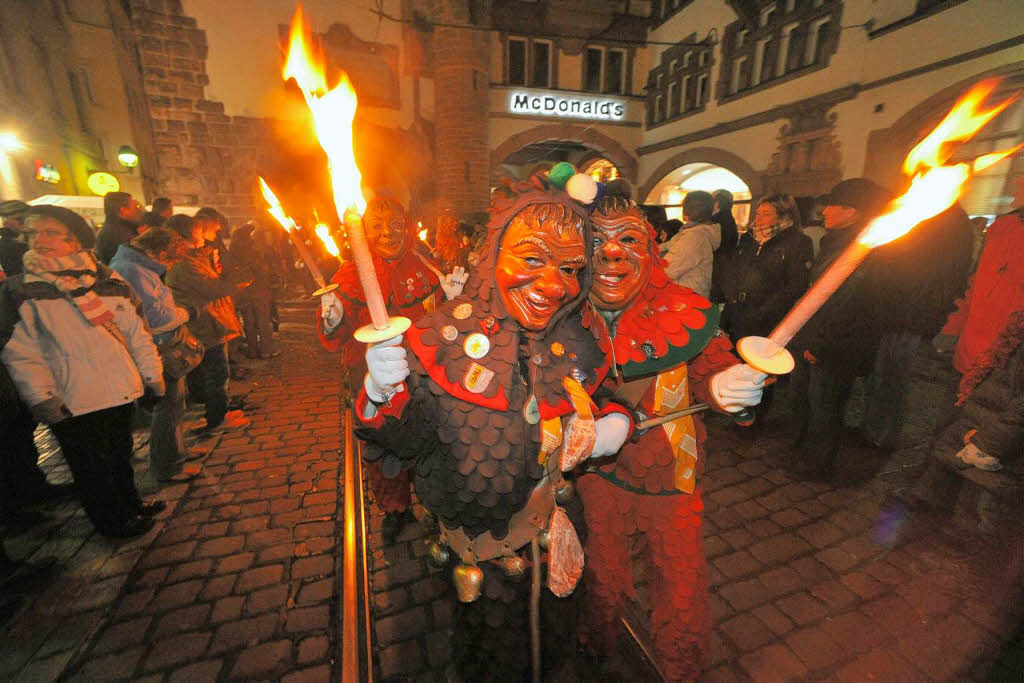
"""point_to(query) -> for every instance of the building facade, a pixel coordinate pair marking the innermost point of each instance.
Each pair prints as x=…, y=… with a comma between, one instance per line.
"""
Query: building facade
x=71, y=97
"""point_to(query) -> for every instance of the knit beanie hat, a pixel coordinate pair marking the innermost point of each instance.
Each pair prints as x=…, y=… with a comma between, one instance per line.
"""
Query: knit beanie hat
x=78, y=226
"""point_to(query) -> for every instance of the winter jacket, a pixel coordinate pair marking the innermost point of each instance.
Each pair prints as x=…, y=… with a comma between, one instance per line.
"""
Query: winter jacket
x=690, y=255
x=115, y=232
x=730, y=234
x=996, y=292
x=921, y=274
x=53, y=351
x=11, y=251
x=845, y=331
x=146, y=277
x=198, y=286
x=759, y=283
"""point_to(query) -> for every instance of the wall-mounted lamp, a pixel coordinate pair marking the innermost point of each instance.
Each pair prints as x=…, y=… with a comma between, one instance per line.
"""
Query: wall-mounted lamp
x=127, y=156
x=9, y=142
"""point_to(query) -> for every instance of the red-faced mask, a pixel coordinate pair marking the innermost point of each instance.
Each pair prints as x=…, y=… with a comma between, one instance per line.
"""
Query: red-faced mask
x=623, y=259
x=386, y=230
x=538, y=270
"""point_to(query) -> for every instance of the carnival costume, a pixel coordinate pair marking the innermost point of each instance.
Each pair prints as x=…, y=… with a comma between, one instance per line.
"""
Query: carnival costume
x=411, y=289
x=480, y=418
x=667, y=346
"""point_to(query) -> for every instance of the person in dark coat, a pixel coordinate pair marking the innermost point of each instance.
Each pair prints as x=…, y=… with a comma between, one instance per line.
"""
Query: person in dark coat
x=723, y=216
x=762, y=279
x=12, y=245
x=254, y=302
x=839, y=343
x=925, y=271
x=123, y=217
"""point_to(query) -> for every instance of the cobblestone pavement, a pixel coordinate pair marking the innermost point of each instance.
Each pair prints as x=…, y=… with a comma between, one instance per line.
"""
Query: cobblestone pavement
x=809, y=581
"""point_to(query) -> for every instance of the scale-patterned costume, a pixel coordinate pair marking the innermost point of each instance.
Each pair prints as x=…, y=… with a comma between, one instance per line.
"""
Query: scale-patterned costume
x=669, y=339
x=465, y=426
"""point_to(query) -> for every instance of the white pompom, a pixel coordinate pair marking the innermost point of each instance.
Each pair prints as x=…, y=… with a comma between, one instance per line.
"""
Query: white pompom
x=582, y=188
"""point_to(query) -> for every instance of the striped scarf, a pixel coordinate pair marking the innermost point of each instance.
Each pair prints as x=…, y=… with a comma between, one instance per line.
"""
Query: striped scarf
x=763, y=233
x=69, y=274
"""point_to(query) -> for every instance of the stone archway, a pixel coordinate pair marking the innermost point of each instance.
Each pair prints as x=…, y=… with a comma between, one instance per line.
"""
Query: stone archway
x=711, y=155
x=887, y=147
x=607, y=146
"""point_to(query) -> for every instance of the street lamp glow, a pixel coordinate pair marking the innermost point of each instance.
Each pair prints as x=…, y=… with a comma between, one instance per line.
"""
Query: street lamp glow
x=9, y=142
x=127, y=156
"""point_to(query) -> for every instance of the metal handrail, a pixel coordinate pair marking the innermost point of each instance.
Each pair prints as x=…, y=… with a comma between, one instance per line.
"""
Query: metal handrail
x=356, y=585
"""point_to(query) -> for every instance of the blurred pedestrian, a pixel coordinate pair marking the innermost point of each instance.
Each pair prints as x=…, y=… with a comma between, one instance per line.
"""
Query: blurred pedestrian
x=839, y=343
x=690, y=254
x=767, y=272
x=198, y=286
x=80, y=353
x=123, y=215
x=157, y=216
x=143, y=262
x=925, y=271
x=251, y=256
x=12, y=244
x=723, y=216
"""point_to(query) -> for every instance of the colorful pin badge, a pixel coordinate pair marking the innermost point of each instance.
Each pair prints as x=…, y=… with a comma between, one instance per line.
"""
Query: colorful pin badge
x=462, y=311
x=477, y=345
x=477, y=378
x=558, y=348
x=449, y=332
x=489, y=325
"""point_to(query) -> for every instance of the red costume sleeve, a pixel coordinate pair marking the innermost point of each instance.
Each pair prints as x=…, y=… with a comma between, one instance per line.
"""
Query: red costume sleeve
x=958, y=318
x=394, y=410
x=715, y=357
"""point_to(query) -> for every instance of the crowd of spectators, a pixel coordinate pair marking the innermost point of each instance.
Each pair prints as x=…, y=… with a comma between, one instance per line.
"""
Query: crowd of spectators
x=99, y=330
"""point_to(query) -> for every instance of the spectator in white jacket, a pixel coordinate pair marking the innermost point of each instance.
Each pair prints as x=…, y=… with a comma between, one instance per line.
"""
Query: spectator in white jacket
x=691, y=253
x=77, y=347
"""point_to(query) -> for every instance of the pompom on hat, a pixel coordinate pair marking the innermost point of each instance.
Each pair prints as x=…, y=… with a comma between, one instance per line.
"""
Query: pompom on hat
x=579, y=186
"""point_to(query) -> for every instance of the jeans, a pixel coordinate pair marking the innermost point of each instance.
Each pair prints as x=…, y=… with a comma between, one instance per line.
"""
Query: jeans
x=886, y=387
x=212, y=376
x=821, y=393
x=259, y=329
x=98, y=448
x=21, y=480
x=167, y=449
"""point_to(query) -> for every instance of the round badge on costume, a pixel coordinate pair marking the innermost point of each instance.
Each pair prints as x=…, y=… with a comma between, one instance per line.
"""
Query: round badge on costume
x=477, y=345
x=449, y=332
x=462, y=311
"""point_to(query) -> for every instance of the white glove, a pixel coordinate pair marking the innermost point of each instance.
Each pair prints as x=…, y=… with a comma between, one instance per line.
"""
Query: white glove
x=331, y=311
x=454, y=282
x=386, y=368
x=737, y=387
x=612, y=430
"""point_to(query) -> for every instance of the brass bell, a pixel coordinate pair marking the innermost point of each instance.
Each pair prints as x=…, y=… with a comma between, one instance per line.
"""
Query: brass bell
x=513, y=566
x=564, y=493
x=544, y=538
x=439, y=555
x=469, y=580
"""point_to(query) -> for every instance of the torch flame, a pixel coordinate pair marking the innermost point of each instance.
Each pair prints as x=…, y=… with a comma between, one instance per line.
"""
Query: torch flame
x=324, y=233
x=275, y=208
x=935, y=187
x=332, y=110
x=422, y=235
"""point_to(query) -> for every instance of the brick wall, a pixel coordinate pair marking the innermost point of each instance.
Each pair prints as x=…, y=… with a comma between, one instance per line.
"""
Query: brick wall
x=461, y=78
x=204, y=156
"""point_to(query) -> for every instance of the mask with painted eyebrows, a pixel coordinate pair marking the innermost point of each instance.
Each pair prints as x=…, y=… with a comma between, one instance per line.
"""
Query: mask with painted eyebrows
x=623, y=259
x=538, y=267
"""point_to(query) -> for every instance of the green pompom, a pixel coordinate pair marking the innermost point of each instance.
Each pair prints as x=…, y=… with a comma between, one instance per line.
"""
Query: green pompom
x=560, y=173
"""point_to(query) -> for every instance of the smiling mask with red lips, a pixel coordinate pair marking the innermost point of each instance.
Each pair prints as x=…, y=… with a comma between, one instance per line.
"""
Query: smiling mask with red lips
x=387, y=230
x=538, y=267
x=623, y=257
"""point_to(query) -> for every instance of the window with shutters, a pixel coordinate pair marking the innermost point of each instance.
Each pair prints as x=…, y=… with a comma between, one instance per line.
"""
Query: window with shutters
x=679, y=81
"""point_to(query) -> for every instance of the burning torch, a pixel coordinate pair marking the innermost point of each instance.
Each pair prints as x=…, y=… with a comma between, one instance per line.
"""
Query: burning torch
x=286, y=222
x=333, y=111
x=934, y=188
